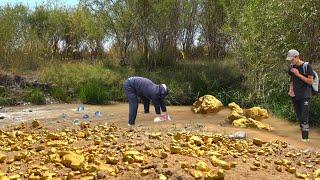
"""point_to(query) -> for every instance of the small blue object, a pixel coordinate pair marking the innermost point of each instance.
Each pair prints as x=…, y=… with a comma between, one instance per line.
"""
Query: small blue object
x=98, y=114
x=80, y=108
x=76, y=122
x=85, y=116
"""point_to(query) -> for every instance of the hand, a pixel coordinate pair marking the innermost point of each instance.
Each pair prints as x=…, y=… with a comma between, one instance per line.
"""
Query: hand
x=295, y=71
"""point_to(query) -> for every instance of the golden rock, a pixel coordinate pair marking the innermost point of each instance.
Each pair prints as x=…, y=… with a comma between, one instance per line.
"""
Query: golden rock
x=256, y=113
x=196, y=174
x=254, y=168
x=35, y=124
x=207, y=104
x=162, y=177
x=214, y=175
x=155, y=135
x=279, y=168
x=175, y=149
x=291, y=170
x=300, y=175
x=57, y=143
x=258, y=142
x=184, y=165
x=112, y=160
x=144, y=172
x=4, y=178
x=235, y=108
x=249, y=122
x=202, y=166
x=196, y=140
x=217, y=162
x=133, y=156
x=234, y=115
x=2, y=157
x=316, y=173
x=163, y=155
x=73, y=161
x=256, y=163
x=54, y=158
x=40, y=148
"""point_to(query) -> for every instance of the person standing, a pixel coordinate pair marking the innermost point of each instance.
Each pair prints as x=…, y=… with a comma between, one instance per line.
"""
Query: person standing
x=300, y=90
x=144, y=88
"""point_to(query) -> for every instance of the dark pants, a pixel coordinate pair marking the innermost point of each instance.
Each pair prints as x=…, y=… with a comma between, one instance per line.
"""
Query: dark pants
x=301, y=108
x=133, y=102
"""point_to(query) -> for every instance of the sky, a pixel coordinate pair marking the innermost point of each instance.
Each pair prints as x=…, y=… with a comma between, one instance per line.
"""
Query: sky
x=34, y=3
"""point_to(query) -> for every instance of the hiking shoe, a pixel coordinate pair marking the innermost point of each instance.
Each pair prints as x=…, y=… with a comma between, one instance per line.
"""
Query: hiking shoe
x=305, y=140
x=131, y=127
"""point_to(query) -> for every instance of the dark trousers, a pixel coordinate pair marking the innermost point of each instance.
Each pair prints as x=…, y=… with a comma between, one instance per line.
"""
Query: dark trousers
x=133, y=102
x=301, y=108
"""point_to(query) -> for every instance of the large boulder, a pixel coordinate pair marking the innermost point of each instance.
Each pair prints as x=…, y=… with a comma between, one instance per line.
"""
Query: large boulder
x=207, y=104
x=256, y=113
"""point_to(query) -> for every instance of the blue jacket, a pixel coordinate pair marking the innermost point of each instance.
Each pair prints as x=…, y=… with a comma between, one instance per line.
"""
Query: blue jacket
x=145, y=88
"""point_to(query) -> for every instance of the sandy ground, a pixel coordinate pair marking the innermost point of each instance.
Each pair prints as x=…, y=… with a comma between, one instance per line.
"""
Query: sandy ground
x=50, y=117
x=182, y=117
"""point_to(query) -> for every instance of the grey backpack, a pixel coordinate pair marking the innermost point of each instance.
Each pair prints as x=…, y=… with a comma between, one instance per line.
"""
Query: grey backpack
x=315, y=84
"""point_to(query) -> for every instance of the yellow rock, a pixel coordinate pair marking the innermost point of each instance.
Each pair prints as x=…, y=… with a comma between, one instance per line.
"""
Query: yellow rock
x=35, y=124
x=202, y=166
x=248, y=122
x=291, y=170
x=214, y=175
x=112, y=160
x=235, y=108
x=279, y=168
x=40, y=148
x=57, y=143
x=15, y=177
x=207, y=104
x=144, y=172
x=256, y=113
x=235, y=115
x=175, y=149
x=2, y=157
x=4, y=178
x=256, y=163
x=73, y=161
x=133, y=156
x=196, y=140
x=254, y=168
x=258, y=142
x=196, y=174
x=54, y=158
x=162, y=177
x=163, y=155
x=155, y=135
x=20, y=156
x=316, y=173
x=301, y=176
x=184, y=165
x=34, y=177
x=217, y=162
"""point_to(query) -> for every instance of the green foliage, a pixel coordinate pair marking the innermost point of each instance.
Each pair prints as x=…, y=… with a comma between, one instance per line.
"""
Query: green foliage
x=61, y=94
x=36, y=96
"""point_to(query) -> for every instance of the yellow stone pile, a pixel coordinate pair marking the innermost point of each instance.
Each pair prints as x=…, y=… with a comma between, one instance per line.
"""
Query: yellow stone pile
x=248, y=117
x=207, y=104
x=102, y=152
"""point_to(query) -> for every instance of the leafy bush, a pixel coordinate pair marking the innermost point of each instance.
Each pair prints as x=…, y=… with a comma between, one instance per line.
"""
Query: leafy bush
x=36, y=96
